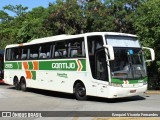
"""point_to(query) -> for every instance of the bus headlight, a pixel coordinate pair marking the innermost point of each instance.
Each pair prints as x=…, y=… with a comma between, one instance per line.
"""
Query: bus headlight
x=115, y=84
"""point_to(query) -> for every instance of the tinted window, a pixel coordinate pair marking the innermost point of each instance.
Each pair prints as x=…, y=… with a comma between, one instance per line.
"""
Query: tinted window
x=76, y=48
x=45, y=51
x=60, y=50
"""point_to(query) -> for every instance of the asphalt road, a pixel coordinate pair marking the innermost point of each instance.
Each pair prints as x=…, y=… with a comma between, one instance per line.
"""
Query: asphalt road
x=42, y=100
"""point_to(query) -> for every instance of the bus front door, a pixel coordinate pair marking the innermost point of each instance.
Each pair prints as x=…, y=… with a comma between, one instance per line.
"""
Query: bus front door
x=101, y=72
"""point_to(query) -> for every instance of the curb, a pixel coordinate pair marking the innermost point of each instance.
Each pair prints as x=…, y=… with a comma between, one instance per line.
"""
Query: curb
x=152, y=92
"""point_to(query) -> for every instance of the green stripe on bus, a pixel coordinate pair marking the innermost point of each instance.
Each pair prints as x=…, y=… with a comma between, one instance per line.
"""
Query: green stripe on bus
x=12, y=65
x=118, y=81
x=19, y=65
x=33, y=75
x=68, y=65
x=84, y=65
x=30, y=65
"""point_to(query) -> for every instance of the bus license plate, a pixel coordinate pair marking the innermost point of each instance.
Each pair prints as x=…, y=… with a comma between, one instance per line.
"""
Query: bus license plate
x=132, y=91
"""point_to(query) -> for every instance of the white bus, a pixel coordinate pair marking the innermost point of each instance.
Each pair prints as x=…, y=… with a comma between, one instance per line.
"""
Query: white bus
x=102, y=64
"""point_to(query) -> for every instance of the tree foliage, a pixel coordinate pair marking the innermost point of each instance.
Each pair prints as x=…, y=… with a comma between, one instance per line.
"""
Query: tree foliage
x=18, y=9
x=147, y=26
x=139, y=17
x=65, y=18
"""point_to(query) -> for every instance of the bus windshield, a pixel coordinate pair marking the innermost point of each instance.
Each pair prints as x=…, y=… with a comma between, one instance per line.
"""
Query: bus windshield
x=129, y=58
x=128, y=64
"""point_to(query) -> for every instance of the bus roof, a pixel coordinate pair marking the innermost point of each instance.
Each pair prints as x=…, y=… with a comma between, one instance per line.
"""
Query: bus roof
x=66, y=36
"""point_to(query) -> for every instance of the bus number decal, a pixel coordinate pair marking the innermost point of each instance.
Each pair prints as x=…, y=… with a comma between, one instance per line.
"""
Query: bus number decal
x=8, y=66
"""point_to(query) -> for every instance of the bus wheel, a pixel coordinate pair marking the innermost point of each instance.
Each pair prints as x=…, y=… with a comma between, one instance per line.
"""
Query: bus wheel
x=80, y=91
x=16, y=83
x=23, y=84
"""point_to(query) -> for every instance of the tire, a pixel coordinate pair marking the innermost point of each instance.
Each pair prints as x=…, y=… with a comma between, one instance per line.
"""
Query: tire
x=16, y=83
x=80, y=91
x=23, y=85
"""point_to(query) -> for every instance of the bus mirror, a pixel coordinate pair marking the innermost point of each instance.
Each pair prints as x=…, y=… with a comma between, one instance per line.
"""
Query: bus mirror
x=109, y=52
x=151, y=52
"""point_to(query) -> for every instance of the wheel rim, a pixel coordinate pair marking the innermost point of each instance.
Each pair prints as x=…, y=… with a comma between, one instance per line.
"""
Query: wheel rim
x=81, y=91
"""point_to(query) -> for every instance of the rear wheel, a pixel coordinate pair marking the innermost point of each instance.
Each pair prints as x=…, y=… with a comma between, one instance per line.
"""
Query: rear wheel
x=80, y=91
x=16, y=83
x=23, y=84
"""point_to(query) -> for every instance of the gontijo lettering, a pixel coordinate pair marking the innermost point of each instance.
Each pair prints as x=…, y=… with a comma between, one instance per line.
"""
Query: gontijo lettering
x=63, y=65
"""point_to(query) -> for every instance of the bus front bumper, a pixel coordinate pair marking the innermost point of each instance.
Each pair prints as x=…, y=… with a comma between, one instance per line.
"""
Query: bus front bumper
x=119, y=92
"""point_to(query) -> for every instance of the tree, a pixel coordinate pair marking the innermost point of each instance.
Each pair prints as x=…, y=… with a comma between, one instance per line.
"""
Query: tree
x=4, y=16
x=23, y=27
x=122, y=13
x=31, y=26
x=147, y=27
x=18, y=9
x=95, y=13
x=65, y=18
x=9, y=25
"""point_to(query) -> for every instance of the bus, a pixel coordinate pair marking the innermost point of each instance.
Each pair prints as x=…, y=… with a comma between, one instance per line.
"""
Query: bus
x=101, y=64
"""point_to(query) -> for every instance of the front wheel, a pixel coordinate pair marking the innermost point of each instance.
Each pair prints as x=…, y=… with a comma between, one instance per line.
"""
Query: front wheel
x=80, y=91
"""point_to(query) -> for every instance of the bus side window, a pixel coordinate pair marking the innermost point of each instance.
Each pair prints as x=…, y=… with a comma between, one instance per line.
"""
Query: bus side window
x=24, y=56
x=45, y=50
x=24, y=53
x=64, y=53
x=35, y=56
x=16, y=53
x=7, y=54
x=74, y=53
x=56, y=54
x=43, y=55
x=76, y=48
x=48, y=55
x=33, y=52
x=60, y=50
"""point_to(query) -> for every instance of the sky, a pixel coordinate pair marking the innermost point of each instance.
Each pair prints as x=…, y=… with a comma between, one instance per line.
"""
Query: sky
x=25, y=3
